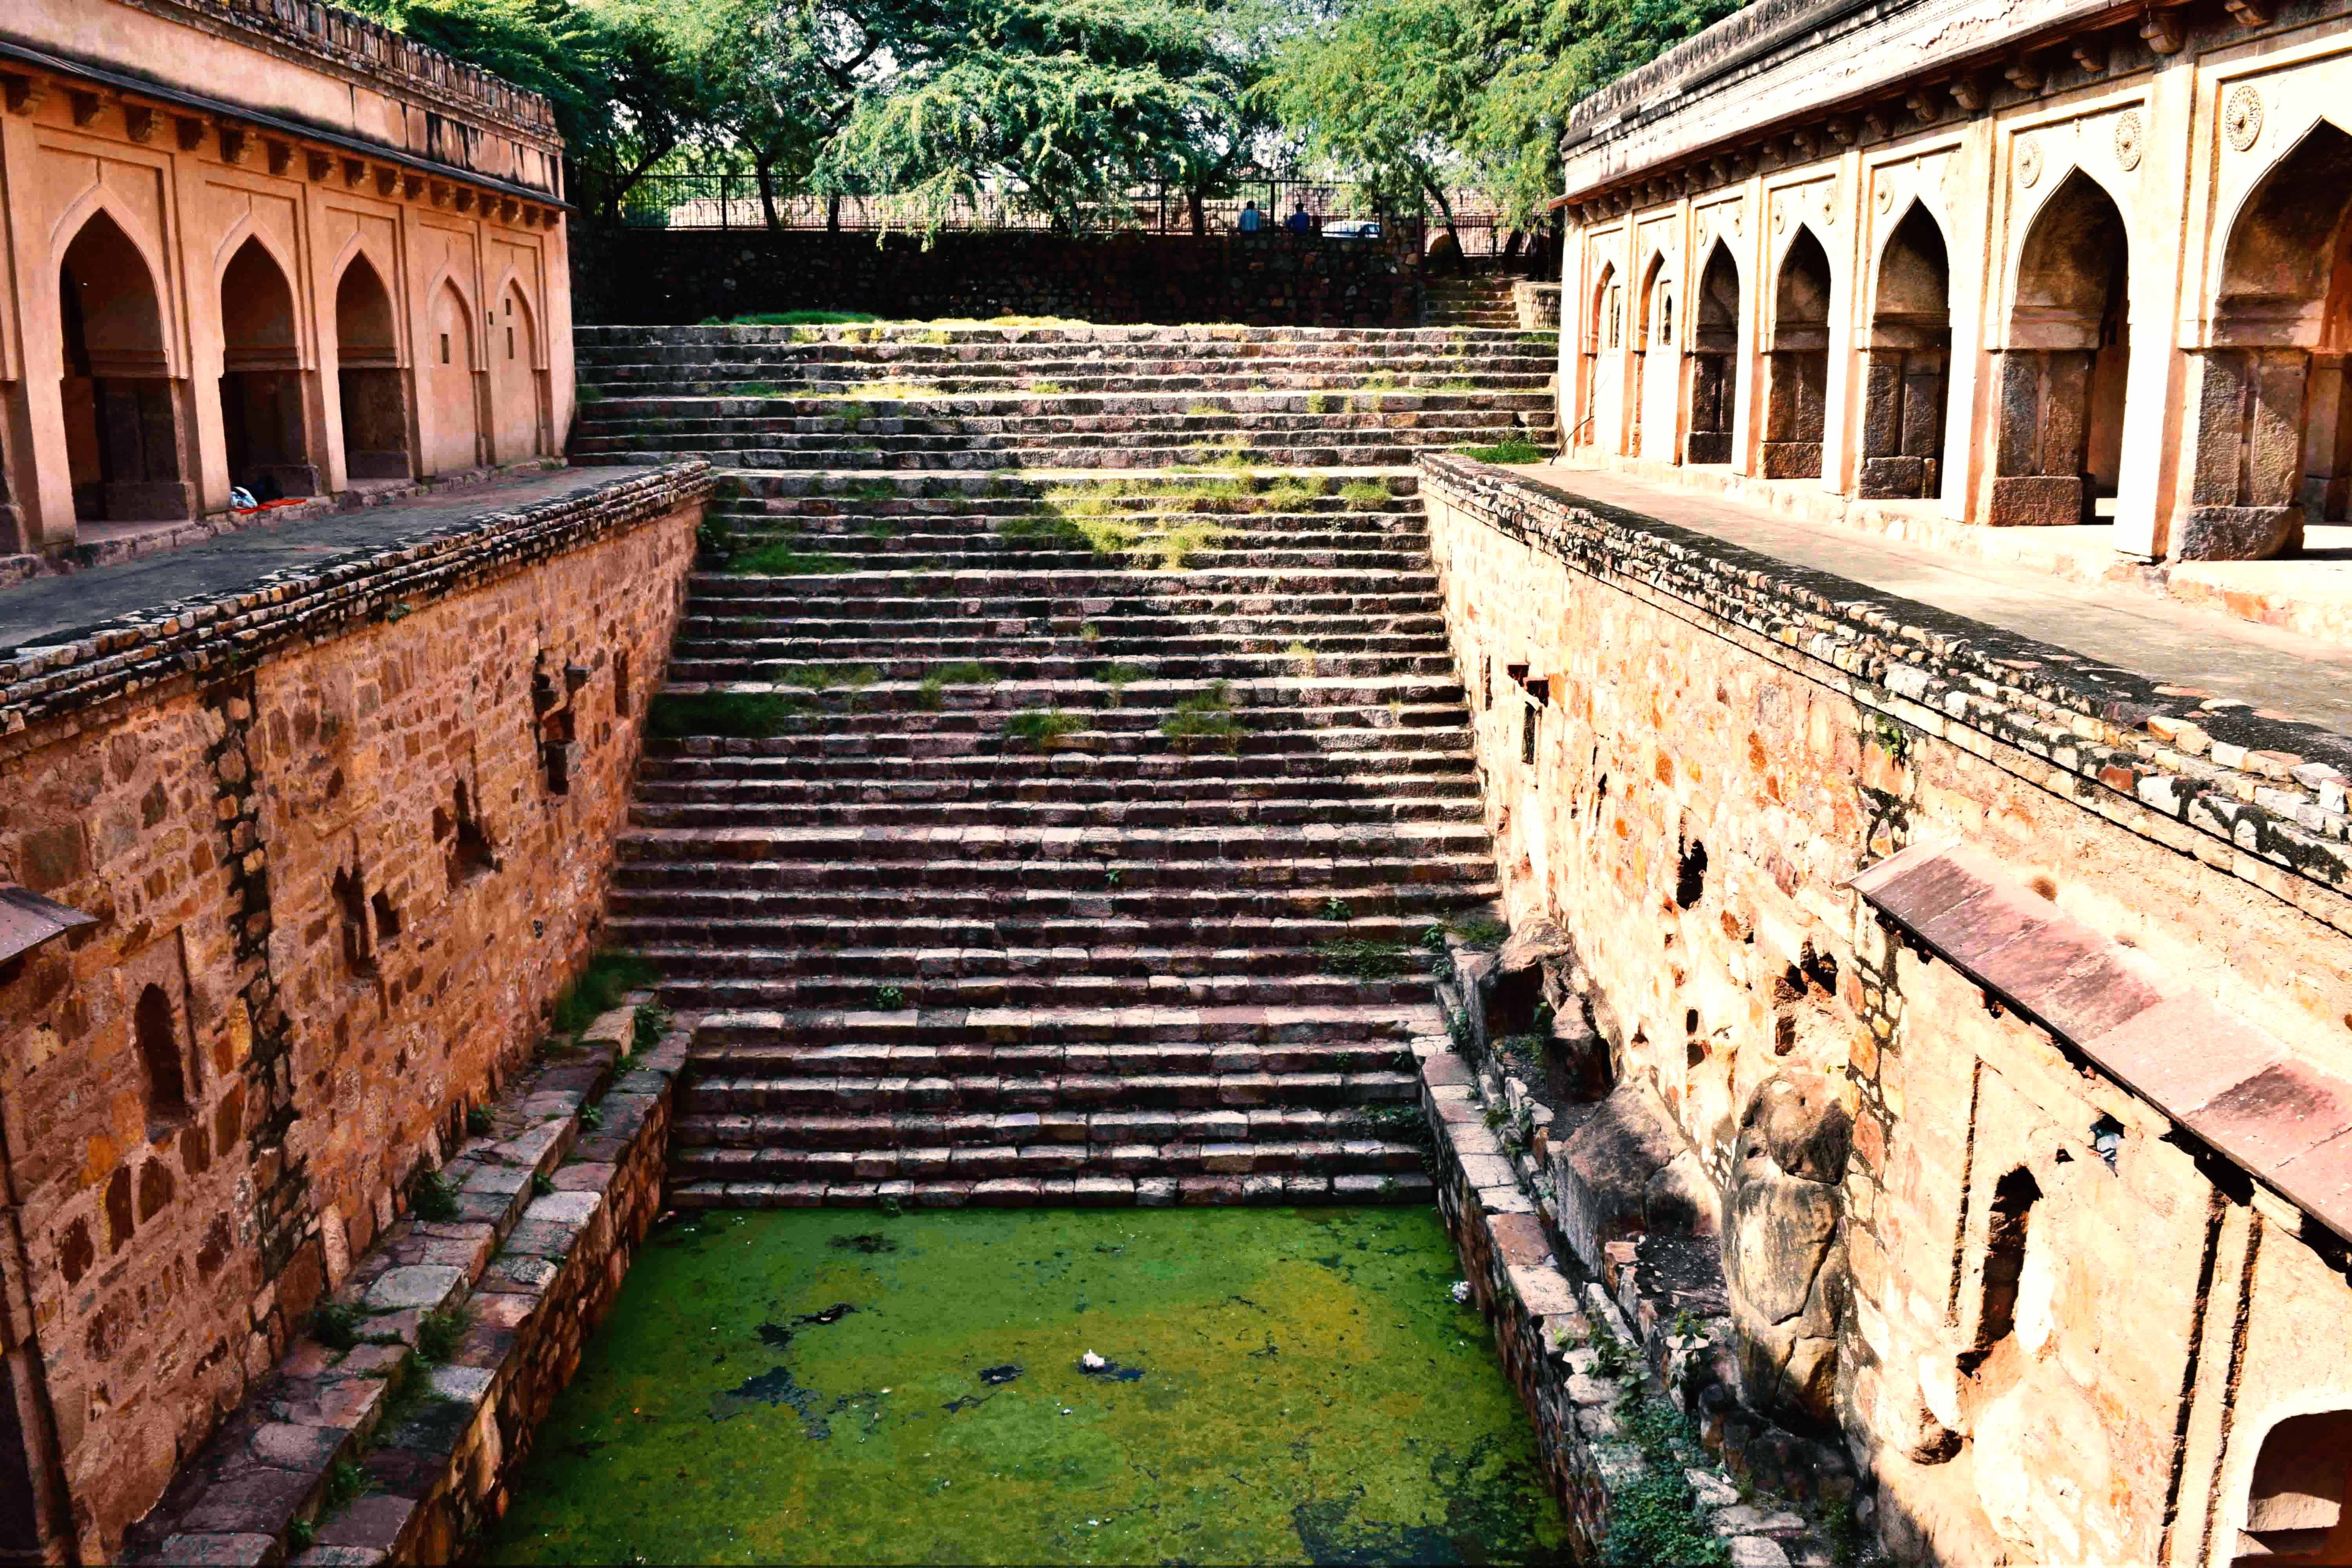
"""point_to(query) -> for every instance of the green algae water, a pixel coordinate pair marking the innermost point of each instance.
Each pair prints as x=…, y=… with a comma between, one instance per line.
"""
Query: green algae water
x=1107, y=1385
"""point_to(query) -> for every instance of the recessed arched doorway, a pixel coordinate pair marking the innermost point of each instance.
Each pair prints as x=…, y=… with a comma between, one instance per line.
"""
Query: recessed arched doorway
x=516, y=424
x=265, y=417
x=1910, y=361
x=374, y=393
x=2064, y=370
x=1797, y=400
x=451, y=413
x=126, y=440
x=1714, y=359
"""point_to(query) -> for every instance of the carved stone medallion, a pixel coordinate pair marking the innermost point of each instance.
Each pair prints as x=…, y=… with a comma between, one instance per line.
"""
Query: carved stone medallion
x=2028, y=161
x=2241, y=117
x=2128, y=139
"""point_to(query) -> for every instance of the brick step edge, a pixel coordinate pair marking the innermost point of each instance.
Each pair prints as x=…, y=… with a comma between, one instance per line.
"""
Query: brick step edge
x=1545, y=1324
x=1059, y=1192
x=534, y=1272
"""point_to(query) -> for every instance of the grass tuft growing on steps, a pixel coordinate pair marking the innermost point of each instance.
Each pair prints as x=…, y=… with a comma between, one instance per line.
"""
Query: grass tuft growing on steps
x=785, y=558
x=1205, y=716
x=1512, y=451
x=1362, y=959
x=742, y=715
x=940, y=676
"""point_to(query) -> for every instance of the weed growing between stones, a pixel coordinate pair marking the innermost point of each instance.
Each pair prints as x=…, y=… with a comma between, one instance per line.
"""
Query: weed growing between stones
x=741, y=715
x=598, y=990
x=1044, y=388
x=346, y=1482
x=438, y=1333
x=1338, y=910
x=1302, y=660
x=541, y=1184
x=889, y=999
x=938, y=678
x=1205, y=716
x=1043, y=728
x=592, y=1117
x=1511, y=451
x=758, y=389
x=1364, y=495
x=479, y=1120
x=431, y=1197
x=1079, y=521
x=335, y=1325
x=1479, y=930
x=1289, y=495
x=849, y=679
x=301, y=1533
x=1317, y=403
x=647, y=1024
x=1655, y=1521
x=1119, y=678
x=1362, y=959
x=785, y=558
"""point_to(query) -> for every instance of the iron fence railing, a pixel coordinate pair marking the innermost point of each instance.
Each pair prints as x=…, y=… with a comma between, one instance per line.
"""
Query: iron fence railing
x=733, y=201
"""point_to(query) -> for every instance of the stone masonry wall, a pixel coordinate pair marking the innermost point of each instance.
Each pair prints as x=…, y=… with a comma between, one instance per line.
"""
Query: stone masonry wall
x=681, y=277
x=2048, y=1321
x=351, y=828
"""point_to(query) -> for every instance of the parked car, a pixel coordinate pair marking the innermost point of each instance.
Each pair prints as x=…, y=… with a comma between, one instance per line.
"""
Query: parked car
x=1352, y=228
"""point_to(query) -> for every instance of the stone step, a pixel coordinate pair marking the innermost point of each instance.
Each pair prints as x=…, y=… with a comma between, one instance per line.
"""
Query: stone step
x=1012, y=491
x=1171, y=910
x=998, y=1027
x=1112, y=454
x=913, y=957
x=984, y=553
x=1013, y=409
x=1014, y=666
x=1070, y=1113
x=1105, y=337
x=1067, y=776
x=668, y=785
x=1097, y=1191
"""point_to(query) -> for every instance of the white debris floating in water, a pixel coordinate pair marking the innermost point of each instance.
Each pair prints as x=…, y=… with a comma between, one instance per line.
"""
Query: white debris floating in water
x=1461, y=1291
x=1092, y=1362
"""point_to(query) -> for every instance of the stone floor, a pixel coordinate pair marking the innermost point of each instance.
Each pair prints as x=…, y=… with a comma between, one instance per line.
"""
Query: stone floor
x=49, y=609
x=2293, y=673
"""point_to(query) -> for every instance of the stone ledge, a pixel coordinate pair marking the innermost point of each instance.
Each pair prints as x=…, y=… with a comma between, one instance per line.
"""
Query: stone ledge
x=550, y=1203
x=2274, y=788
x=197, y=635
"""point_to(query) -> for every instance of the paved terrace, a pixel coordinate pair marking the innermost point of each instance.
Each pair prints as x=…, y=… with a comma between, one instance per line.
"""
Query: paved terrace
x=48, y=610
x=2282, y=674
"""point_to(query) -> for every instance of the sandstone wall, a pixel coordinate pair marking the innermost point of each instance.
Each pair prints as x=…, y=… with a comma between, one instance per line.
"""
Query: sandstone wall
x=671, y=277
x=353, y=828
x=1687, y=750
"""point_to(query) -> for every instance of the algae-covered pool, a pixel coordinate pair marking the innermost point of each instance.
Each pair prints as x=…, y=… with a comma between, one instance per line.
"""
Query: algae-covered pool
x=833, y=1386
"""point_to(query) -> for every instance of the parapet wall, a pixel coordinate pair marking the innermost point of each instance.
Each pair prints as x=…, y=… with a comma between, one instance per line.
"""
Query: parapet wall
x=679, y=277
x=345, y=834
x=2053, y=1317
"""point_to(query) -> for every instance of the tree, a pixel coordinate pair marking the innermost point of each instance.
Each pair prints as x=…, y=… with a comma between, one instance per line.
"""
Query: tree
x=1412, y=92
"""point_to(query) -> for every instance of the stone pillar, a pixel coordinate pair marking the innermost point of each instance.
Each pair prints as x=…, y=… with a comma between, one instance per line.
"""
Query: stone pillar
x=2147, y=495
x=1843, y=375
x=1973, y=292
x=1751, y=365
x=2040, y=435
x=2246, y=499
x=2325, y=449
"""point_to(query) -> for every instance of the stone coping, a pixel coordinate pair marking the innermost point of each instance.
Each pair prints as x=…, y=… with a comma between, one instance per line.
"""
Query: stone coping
x=279, y=1473
x=381, y=582
x=2262, y=797
x=2227, y=1083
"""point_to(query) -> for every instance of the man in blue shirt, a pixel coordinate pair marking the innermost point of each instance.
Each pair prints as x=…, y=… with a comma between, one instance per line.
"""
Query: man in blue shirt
x=1253, y=220
x=1299, y=222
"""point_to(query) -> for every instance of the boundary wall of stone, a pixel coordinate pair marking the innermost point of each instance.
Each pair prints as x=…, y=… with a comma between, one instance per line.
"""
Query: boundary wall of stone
x=1876, y=1109
x=426, y=1449
x=677, y=277
x=345, y=835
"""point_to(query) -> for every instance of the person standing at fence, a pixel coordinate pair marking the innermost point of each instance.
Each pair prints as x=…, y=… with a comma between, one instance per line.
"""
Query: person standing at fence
x=1299, y=222
x=1252, y=219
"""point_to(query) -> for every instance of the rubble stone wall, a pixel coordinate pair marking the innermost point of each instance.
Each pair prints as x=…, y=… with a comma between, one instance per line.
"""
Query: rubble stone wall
x=2047, y=1321
x=1267, y=279
x=346, y=836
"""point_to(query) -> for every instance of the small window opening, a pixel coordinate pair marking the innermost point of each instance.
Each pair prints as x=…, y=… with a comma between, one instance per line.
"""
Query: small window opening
x=1616, y=312
x=387, y=919
x=1666, y=317
x=555, y=751
x=1528, y=735
x=509, y=342
x=472, y=853
x=157, y=1027
x=358, y=955
x=621, y=683
x=2013, y=1197
x=445, y=347
x=1690, y=873
x=2294, y=1504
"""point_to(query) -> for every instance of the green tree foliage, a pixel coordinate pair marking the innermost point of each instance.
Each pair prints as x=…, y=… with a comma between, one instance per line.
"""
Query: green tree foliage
x=1414, y=93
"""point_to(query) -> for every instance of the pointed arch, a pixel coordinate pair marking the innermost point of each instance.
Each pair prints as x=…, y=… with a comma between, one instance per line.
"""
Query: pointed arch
x=265, y=409
x=2283, y=264
x=1910, y=353
x=126, y=441
x=1648, y=319
x=1797, y=397
x=1713, y=334
x=445, y=383
x=515, y=381
x=374, y=388
x=2066, y=360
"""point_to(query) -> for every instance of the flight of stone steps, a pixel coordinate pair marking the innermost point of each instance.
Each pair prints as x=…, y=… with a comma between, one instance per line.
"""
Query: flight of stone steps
x=1475, y=296
x=1057, y=834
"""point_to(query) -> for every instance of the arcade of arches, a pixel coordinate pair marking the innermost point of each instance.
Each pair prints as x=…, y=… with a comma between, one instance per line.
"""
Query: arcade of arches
x=1965, y=289
x=202, y=304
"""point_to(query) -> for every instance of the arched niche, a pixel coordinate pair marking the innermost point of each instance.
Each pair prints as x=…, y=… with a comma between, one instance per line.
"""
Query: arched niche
x=1652, y=308
x=2065, y=362
x=126, y=442
x=515, y=381
x=2274, y=427
x=155, y=1027
x=374, y=393
x=1597, y=336
x=1714, y=351
x=2296, y=1497
x=1797, y=395
x=1910, y=358
x=264, y=401
x=452, y=410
